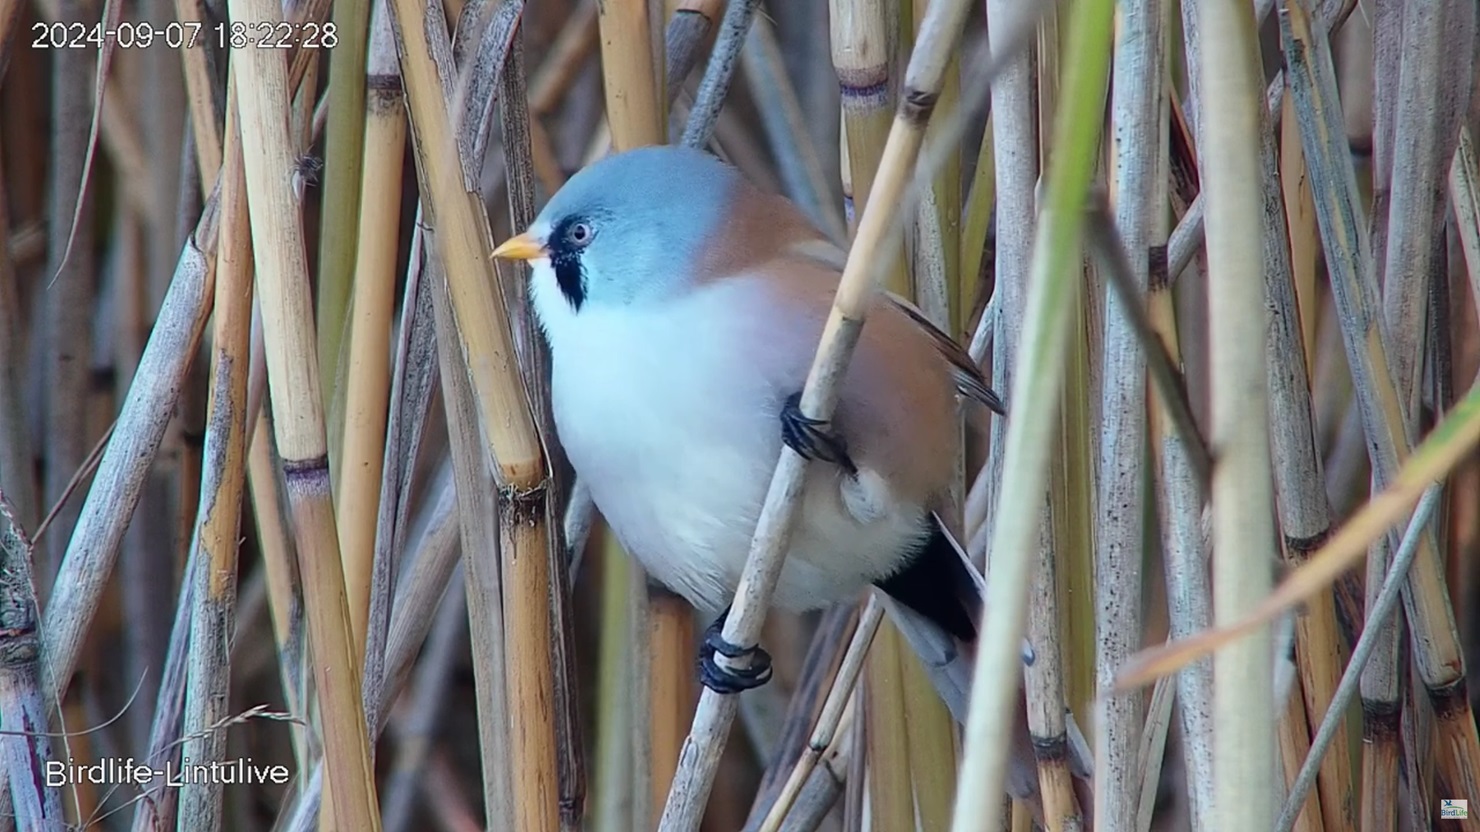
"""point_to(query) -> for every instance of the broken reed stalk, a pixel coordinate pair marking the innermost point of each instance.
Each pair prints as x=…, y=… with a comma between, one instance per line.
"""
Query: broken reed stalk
x=1351, y=262
x=700, y=757
x=282, y=274
x=1140, y=199
x=370, y=305
x=216, y=535
x=1052, y=293
x=1243, y=528
x=510, y=432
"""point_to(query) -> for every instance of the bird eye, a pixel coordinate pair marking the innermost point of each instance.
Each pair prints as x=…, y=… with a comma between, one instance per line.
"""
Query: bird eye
x=580, y=234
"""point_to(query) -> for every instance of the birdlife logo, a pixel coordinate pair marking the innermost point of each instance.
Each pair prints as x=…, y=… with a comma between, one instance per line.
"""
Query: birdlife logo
x=1454, y=809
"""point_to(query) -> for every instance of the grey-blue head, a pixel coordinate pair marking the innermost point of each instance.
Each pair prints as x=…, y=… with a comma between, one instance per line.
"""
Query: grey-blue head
x=630, y=227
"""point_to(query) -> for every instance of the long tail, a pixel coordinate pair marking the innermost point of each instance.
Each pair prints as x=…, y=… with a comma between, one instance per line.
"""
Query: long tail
x=920, y=602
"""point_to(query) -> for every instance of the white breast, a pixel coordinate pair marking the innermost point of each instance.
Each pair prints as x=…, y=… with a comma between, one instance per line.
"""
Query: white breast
x=669, y=412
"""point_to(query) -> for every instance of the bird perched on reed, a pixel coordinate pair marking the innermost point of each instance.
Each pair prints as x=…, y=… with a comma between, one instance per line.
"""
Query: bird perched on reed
x=683, y=307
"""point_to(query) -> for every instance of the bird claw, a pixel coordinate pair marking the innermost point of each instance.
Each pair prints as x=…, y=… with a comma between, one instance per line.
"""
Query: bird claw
x=808, y=437
x=727, y=680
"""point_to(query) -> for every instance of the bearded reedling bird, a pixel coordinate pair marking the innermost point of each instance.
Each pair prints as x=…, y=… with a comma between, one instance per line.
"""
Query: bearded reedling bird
x=683, y=308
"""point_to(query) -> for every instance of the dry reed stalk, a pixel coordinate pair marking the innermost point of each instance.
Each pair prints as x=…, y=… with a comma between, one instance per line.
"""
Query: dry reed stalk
x=284, y=589
x=1153, y=749
x=1352, y=265
x=1015, y=151
x=1243, y=529
x=563, y=61
x=281, y=260
x=1304, y=513
x=862, y=55
x=945, y=201
x=1044, y=680
x=370, y=305
x=891, y=801
x=34, y=803
x=1293, y=742
x=1140, y=198
x=477, y=513
x=413, y=379
x=1464, y=194
x=215, y=566
x=718, y=73
x=689, y=26
x=613, y=809
x=826, y=729
x=700, y=756
x=1073, y=484
x=1300, y=216
x=339, y=227
x=200, y=87
x=156, y=809
x=1430, y=105
x=118, y=481
x=1384, y=606
x=633, y=89
x=17, y=470
x=1051, y=296
x=976, y=221
x=69, y=296
x=416, y=732
x=1182, y=495
x=798, y=161
x=1185, y=551
x=510, y=433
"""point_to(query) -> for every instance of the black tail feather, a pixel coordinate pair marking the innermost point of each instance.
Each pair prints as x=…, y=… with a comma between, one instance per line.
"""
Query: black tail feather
x=936, y=583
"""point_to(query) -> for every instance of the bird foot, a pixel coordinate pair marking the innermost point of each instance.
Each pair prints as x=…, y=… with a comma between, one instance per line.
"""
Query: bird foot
x=809, y=437
x=721, y=679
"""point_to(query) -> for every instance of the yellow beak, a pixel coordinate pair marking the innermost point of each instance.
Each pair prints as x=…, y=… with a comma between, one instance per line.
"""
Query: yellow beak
x=521, y=247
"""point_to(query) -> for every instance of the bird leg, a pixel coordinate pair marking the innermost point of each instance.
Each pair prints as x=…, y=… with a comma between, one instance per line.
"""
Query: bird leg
x=722, y=679
x=809, y=438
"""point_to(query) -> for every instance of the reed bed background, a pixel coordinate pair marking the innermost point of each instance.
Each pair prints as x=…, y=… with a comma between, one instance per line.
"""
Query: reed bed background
x=279, y=481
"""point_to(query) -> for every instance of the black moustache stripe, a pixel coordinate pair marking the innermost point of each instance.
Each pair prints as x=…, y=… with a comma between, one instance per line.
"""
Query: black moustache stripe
x=570, y=277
